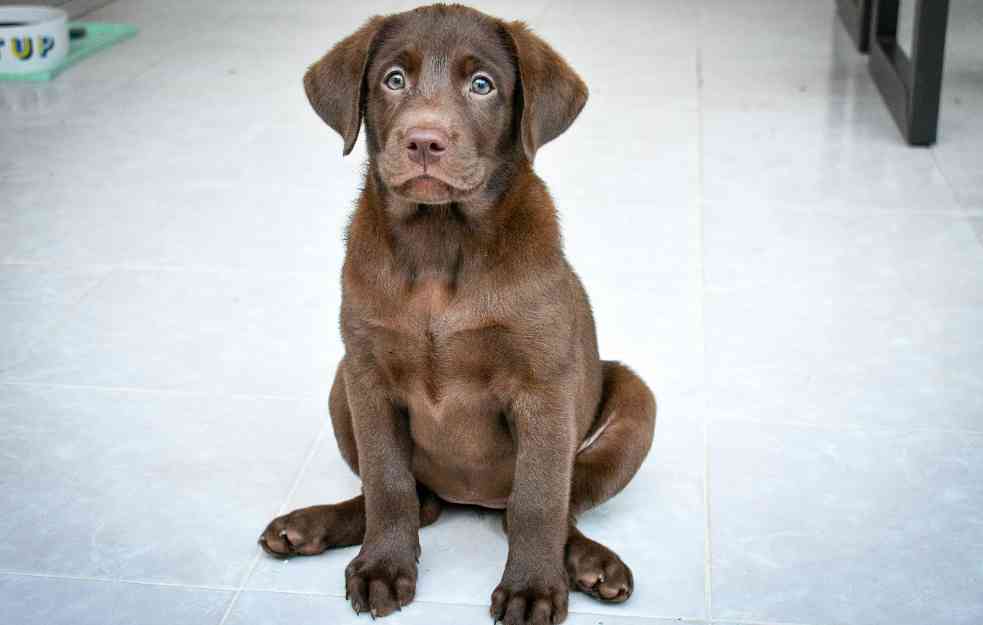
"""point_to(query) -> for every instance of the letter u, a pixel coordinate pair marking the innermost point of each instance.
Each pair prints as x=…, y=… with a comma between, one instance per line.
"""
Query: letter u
x=23, y=48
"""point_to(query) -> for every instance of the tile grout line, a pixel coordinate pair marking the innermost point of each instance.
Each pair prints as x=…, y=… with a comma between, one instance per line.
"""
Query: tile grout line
x=700, y=206
x=152, y=268
x=679, y=619
x=81, y=578
x=304, y=593
x=156, y=391
x=115, y=580
x=964, y=217
x=948, y=183
x=967, y=213
x=140, y=582
x=315, y=446
x=847, y=428
x=707, y=545
x=752, y=622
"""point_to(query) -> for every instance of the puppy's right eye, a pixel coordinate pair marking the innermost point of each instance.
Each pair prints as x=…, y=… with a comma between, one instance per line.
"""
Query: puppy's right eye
x=395, y=80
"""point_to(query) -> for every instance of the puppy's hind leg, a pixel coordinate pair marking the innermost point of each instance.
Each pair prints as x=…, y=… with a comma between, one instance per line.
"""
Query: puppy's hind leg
x=610, y=457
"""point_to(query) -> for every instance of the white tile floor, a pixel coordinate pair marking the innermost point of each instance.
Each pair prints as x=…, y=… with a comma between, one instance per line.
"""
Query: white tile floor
x=170, y=242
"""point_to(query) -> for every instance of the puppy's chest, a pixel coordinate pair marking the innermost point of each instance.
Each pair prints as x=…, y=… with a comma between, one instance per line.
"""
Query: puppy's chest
x=433, y=345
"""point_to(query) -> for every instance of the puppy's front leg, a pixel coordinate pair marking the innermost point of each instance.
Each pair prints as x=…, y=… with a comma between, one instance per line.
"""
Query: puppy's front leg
x=534, y=586
x=382, y=578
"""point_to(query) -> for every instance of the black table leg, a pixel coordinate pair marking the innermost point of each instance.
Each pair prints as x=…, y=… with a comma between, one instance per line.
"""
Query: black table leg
x=856, y=18
x=911, y=87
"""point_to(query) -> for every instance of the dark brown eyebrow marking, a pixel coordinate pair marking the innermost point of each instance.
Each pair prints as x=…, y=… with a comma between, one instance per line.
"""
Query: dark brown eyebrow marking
x=471, y=63
x=407, y=58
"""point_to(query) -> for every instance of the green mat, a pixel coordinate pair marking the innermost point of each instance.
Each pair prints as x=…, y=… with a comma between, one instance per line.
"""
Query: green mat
x=98, y=35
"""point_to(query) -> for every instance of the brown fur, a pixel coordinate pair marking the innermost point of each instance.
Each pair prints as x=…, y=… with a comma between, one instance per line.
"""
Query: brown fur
x=471, y=371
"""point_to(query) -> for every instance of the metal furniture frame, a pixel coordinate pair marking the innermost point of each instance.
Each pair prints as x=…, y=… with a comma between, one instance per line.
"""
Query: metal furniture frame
x=911, y=86
x=856, y=18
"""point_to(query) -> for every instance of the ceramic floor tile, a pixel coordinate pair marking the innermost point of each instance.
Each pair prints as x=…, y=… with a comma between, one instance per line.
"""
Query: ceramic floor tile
x=828, y=71
x=303, y=156
x=147, y=146
x=33, y=301
x=51, y=601
x=648, y=60
x=960, y=132
x=977, y=228
x=844, y=360
x=964, y=17
x=656, y=26
x=924, y=258
x=219, y=332
x=968, y=188
x=652, y=171
x=144, y=486
x=299, y=609
x=766, y=28
x=814, y=526
x=652, y=325
x=830, y=157
x=262, y=227
x=656, y=524
x=954, y=152
x=98, y=223
x=839, y=82
x=863, y=320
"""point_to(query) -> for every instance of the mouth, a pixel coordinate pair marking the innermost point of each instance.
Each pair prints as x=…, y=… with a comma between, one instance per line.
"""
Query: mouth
x=427, y=189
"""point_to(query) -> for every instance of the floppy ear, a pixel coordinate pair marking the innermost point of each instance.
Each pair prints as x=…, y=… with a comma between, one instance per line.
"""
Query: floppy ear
x=334, y=84
x=552, y=93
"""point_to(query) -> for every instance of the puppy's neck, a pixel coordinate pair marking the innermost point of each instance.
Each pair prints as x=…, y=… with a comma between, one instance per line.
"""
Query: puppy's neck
x=429, y=241
x=512, y=224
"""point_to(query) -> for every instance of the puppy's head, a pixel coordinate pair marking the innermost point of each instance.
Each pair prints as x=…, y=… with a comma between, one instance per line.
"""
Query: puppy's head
x=451, y=99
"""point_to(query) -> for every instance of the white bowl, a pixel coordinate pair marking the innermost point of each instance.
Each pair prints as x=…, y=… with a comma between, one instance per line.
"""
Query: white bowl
x=37, y=42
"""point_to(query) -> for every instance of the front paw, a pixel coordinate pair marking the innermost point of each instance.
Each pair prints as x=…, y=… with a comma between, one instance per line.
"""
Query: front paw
x=535, y=599
x=381, y=580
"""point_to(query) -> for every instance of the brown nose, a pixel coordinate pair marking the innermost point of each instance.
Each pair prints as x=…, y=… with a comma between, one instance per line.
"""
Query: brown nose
x=425, y=145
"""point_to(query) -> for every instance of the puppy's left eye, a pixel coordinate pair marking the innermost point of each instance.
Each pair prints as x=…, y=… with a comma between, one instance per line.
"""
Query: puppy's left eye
x=481, y=85
x=395, y=80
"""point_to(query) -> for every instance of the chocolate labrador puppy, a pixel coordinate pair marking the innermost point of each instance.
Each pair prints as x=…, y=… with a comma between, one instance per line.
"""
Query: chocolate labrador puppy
x=471, y=373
